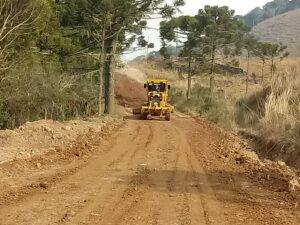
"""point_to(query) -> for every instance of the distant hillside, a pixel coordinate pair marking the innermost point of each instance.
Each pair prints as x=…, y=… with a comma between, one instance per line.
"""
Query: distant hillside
x=271, y=9
x=284, y=28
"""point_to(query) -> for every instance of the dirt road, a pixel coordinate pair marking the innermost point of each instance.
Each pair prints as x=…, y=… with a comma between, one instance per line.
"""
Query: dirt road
x=152, y=172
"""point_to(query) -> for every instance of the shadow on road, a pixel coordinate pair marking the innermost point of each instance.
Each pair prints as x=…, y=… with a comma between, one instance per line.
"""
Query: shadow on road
x=225, y=188
x=139, y=117
x=132, y=117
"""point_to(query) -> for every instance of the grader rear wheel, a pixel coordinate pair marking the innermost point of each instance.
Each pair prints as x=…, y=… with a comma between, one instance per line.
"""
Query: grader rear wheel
x=168, y=116
x=144, y=116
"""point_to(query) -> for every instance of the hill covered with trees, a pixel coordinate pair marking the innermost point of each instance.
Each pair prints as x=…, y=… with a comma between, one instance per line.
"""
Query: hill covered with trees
x=270, y=10
x=284, y=28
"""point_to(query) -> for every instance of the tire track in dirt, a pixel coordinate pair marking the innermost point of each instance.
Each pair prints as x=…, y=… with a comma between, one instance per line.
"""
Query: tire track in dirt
x=195, y=203
x=120, y=198
x=28, y=178
x=183, y=183
x=212, y=211
x=148, y=173
x=145, y=147
x=85, y=174
x=140, y=211
x=178, y=184
x=164, y=199
x=133, y=141
x=134, y=196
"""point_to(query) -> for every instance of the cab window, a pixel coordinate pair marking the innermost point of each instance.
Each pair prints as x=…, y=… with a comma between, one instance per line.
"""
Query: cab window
x=159, y=87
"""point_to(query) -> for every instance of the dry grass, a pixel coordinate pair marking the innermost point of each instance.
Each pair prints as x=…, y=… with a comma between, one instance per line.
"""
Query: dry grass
x=273, y=112
x=282, y=108
x=270, y=110
x=284, y=67
x=151, y=70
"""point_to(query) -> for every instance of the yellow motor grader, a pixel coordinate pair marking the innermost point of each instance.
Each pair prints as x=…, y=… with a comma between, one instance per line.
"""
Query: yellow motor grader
x=157, y=105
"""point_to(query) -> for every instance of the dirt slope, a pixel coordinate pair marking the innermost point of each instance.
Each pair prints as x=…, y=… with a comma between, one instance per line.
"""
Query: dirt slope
x=185, y=171
x=129, y=87
x=42, y=136
x=283, y=28
x=130, y=92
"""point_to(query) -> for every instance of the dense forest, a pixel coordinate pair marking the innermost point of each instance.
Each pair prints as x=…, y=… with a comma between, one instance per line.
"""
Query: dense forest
x=57, y=58
x=269, y=10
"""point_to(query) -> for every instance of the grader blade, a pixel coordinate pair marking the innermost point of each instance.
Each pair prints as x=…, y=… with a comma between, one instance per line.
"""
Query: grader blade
x=137, y=111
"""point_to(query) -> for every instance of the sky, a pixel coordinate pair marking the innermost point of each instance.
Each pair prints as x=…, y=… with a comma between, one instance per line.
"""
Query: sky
x=241, y=7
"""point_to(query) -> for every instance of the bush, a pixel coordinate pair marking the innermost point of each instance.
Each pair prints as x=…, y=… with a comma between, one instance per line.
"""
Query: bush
x=42, y=92
x=4, y=115
x=212, y=107
x=249, y=110
x=273, y=112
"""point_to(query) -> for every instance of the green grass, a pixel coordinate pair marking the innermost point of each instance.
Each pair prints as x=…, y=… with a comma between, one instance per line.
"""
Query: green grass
x=211, y=107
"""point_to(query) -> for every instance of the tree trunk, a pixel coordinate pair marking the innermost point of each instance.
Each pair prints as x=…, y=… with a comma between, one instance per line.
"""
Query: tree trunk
x=247, y=76
x=189, y=88
x=106, y=83
x=263, y=72
x=212, y=76
x=272, y=67
x=111, y=100
x=101, y=73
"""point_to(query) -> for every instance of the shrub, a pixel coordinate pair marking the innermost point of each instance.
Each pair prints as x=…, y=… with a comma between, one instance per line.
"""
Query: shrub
x=202, y=102
x=4, y=115
x=249, y=110
x=273, y=112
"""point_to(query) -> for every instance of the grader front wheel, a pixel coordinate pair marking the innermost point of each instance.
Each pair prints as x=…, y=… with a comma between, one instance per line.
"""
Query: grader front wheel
x=168, y=116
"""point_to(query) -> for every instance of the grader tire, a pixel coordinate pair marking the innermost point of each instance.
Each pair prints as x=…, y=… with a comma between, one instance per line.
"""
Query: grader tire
x=144, y=116
x=168, y=116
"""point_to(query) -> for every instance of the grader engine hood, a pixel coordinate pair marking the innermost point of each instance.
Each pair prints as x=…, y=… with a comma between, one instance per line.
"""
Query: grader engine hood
x=155, y=99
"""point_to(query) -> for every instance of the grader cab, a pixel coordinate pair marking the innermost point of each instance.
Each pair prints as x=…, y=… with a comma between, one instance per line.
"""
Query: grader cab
x=157, y=104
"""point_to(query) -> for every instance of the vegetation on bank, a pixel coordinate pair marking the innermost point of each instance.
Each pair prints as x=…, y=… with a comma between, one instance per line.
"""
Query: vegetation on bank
x=274, y=111
x=58, y=58
x=269, y=110
x=202, y=103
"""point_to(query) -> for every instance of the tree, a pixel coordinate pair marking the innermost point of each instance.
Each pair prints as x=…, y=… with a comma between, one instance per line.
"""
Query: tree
x=277, y=53
x=120, y=22
x=209, y=36
x=249, y=44
x=262, y=51
x=16, y=18
x=222, y=31
x=44, y=75
x=184, y=29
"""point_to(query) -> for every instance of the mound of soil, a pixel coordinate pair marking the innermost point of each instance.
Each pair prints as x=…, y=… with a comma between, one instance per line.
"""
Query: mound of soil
x=40, y=137
x=130, y=92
